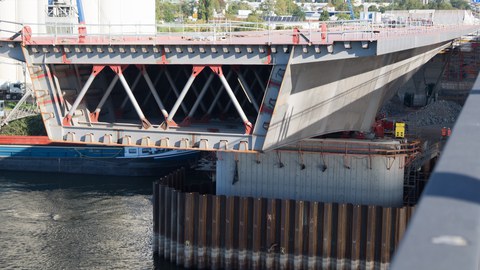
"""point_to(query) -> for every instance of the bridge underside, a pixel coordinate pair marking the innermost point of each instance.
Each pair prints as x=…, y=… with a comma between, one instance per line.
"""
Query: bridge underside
x=299, y=93
x=205, y=110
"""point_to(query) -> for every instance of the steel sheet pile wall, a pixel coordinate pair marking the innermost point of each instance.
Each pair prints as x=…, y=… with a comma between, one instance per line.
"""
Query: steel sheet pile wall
x=208, y=231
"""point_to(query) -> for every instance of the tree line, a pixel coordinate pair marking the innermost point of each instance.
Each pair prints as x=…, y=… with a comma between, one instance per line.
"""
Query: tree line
x=204, y=10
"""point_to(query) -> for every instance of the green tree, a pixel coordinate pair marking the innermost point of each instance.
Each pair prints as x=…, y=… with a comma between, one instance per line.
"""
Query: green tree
x=186, y=8
x=460, y=4
x=267, y=7
x=29, y=126
x=408, y=4
x=205, y=10
x=440, y=4
x=254, y=17
x=298, y=12
x=234, y=7
x=324, y=16
x=166, y=11
x=373, y=8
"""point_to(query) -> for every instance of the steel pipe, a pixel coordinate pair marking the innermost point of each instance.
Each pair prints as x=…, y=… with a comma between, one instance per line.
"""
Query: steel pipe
x=248, y=92
x=145, y=122
x=155, y=94
x=180, y=99
x=68, y=117
x=134, y=85
x=94, y=116
x=186, y=121
x=248, y=125
x=175, y=90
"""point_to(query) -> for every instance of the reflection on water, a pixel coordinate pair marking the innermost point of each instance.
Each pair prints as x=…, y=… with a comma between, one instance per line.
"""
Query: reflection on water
x=62, y=221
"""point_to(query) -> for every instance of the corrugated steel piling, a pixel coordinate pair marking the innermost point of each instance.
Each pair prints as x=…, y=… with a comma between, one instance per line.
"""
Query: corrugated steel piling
x=155, y=218
x=216, y=232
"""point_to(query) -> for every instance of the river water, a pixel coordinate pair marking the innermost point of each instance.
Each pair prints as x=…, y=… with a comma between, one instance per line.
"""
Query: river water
x=63, y=221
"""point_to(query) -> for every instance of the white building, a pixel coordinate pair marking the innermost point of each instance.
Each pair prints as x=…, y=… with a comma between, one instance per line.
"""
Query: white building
x=117, y=16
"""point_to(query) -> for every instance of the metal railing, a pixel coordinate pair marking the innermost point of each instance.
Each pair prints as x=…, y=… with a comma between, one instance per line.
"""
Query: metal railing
x=312, y=32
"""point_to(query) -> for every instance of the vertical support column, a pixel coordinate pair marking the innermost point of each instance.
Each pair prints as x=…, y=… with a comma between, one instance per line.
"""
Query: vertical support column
x=248, y=125
x=299, y=235
x=273, y=243
x=181, y=228
x=217, y=216
x=173, y=225
x=313, y=237
x=371, y=232
x=190, y=200
x=161, y=218
x=154, y=92
x=230, y=258
x=201, y=243
x=155, y=216
x=356, y=236
x=342, y=236
x=68, y=117
x=285, y=235
x=258, y=234
x=327, y=236
x=386, y=243
x=145, y=123
x=243, y=233
x=196, y=70
x=167, y=219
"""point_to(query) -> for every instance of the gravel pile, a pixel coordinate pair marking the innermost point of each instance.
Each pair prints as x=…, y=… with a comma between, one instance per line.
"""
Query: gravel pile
x=393, y=108
x=440, y=112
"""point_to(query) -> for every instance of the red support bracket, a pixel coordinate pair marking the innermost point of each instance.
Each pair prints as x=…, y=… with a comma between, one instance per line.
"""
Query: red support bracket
x=82, y=33
x=296, y=36
x=66, y=121
x=117, y=69
x=97, y=69
x=168, y=123
x=141, y=68
x=269, y=56
x=196, y=70
x=26, y=34
x=65, y=59
x=94, y=116
x=146, y=124
x=216, y=69
x=248, y=128
x=324, y=31
x=186, y=122
x=164, y=57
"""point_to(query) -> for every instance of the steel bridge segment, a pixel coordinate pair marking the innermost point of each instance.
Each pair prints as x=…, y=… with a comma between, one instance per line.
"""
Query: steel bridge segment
x=280, y=53
x=444, y=233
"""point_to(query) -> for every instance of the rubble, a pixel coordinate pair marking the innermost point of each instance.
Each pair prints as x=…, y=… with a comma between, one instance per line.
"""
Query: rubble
x=440, y=112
